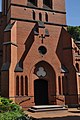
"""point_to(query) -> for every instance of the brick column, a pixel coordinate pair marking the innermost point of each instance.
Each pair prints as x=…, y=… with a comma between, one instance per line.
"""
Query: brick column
x=40, y=3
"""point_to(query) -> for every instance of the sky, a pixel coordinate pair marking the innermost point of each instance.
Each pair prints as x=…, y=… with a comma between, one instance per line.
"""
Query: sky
x=73, y=12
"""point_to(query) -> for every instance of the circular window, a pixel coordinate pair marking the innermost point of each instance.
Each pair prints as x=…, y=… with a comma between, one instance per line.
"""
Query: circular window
x=42, y=50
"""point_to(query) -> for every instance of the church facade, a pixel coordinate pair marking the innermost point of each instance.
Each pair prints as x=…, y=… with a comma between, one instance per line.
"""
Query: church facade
x=39, y=62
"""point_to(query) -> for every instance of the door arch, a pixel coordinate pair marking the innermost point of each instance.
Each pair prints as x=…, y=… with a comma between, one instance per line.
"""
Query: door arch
x=41, y=92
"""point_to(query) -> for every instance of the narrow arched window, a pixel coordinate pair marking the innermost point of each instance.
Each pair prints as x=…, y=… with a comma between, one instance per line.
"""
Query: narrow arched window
x=47, y=3
x=59, y=82
x=26, y=85
x=40, y=16
x=77, y=67
x=66, y=86
x=32, y=2
x=63, y=85
x=46, y=17
x=17, y=85
x=33, y=15
x=22, y=88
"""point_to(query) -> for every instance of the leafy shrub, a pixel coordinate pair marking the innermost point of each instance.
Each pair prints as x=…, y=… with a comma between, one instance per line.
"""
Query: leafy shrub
x=8, y=105
x=9, y=115
x=13, y=116
x=10, y=110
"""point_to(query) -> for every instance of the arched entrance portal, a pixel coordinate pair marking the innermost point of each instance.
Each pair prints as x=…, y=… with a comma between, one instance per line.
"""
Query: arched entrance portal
x=41, y=92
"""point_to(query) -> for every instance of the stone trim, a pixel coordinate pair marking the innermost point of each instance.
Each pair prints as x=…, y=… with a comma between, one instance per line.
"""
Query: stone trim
x=35, y=21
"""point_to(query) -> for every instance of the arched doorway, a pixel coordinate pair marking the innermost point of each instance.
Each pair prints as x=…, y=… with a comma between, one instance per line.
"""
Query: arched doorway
x=41, y=92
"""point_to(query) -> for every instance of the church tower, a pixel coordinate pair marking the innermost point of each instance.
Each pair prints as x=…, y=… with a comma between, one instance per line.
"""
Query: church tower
x=37, y=64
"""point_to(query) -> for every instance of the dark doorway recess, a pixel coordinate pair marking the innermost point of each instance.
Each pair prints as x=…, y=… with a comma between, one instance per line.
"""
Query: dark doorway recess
x=41, y=92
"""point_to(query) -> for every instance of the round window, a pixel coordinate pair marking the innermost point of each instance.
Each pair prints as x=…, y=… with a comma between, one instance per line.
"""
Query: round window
x=42, y=50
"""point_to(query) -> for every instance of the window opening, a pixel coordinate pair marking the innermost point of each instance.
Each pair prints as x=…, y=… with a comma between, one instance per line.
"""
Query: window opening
x=42, y=50
x=47, y=3
x=77, y=67
x=22, y=90
x=33, y=2
x=17, y=85
x=26, y=85
x=40, y=16
x=33, y=15
x=46, y=17
x=59, y=81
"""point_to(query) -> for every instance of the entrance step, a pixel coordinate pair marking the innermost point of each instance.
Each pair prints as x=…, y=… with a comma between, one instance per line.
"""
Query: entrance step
x=44, y=108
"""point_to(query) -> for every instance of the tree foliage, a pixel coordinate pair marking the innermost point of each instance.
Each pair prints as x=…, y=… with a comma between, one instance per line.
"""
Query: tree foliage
x=74, y=32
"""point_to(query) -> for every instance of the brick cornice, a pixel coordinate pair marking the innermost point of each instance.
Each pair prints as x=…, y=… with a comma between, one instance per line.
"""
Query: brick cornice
x=35, y=21
x=43, y=9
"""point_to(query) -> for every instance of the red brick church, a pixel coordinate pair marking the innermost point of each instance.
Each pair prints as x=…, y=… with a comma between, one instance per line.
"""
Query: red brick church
x=39, y=62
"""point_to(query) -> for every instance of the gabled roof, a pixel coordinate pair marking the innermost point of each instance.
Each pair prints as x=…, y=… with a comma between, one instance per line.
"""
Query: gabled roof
x=8, y=27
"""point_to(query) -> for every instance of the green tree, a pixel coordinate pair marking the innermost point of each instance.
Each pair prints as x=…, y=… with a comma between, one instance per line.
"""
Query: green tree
x=74, y=32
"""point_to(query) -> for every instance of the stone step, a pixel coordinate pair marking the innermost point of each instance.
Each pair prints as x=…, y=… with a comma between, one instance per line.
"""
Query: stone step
x=47, y=108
